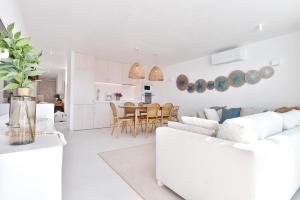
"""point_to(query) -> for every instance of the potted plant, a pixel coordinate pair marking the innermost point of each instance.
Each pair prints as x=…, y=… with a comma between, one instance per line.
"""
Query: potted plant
x=18, y=68
x=118, y=95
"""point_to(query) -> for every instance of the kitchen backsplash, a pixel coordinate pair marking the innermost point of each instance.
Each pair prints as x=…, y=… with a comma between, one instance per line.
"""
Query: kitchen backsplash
x=128, y=92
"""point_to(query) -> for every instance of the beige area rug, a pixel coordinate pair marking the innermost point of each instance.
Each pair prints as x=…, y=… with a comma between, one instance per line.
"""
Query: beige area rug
x=136, y=166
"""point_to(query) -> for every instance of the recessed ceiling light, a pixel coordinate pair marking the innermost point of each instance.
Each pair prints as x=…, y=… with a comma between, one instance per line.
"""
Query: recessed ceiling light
x=260, y=27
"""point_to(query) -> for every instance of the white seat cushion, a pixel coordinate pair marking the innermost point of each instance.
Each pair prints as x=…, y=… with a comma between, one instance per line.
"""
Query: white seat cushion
x=192, y=128
x=251, y=128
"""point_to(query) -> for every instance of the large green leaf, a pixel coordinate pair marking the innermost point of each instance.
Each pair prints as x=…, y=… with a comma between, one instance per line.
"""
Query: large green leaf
x=8, y=42
x=17, y=35
x=22, y=42
x=10, y=27
x=11, y=86
x=9, y=76
x=16, y=62
x=3, y=73
x=19, y=77
x=27, y=83
x=5, y=67
x=2, y=34
x=35, y=73
x=7, y=60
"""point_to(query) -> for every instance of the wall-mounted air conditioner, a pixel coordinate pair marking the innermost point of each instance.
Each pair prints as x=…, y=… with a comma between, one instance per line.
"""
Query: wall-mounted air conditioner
x=228, y=56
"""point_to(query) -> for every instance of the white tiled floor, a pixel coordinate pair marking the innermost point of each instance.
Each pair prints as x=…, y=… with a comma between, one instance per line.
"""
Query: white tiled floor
x=86, y=176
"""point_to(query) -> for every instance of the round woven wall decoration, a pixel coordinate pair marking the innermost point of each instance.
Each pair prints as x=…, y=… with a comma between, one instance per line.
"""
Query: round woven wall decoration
x=237, y=78
x=221, y=83
x=252, y=77
x=210, y=85
x=200, y=85
x=266, y=72
x=191, y=87
x=182, y=82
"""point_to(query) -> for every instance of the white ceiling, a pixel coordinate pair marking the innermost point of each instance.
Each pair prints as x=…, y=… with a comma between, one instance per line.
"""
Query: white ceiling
x=176, y=30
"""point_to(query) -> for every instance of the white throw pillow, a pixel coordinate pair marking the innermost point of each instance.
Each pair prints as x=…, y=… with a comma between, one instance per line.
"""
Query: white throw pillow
x=200, y=114
x=192, y=128
x=211, y=114
x=291, y=119
x=204, y=123
x=251, y=128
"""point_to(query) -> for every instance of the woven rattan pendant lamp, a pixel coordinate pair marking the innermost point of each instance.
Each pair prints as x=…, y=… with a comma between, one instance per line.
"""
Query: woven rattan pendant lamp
x=156, y=74
x=137, y=70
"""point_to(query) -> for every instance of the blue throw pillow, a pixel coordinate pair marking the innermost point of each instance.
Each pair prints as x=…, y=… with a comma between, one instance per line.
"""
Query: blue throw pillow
x=230, y=113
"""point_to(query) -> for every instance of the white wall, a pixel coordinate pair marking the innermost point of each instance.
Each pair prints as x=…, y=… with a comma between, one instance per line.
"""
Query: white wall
x=280, y=90
x=11, y=12
x=60, y=83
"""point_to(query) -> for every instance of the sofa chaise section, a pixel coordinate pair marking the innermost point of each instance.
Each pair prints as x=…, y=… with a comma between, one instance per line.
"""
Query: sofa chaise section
x=200, y=167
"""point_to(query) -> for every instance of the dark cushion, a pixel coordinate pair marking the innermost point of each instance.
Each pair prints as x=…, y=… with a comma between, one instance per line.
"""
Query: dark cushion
x=230, y=113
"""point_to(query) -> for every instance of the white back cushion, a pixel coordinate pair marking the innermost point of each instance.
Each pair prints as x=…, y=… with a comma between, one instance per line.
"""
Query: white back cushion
x=192, y=128
x=211, y=114
x=245, y=111
x=291, y=119
x=204, y=123
x=251, y=128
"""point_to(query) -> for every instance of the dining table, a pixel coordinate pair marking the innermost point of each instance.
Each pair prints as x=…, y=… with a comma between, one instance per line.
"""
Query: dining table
x=137, y=110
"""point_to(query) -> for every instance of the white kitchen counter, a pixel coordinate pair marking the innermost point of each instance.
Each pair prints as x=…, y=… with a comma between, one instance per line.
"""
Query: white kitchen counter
x=32, y=171
x=95, y=115
x=116, y=102
x=46, y=141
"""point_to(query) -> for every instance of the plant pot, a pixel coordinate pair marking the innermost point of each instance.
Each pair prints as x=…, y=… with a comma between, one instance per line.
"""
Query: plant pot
x=22, y=120
x=23, y=92
x=118, y=98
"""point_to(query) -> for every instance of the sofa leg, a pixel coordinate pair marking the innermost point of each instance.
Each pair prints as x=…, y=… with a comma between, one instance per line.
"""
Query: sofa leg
x=159, y=183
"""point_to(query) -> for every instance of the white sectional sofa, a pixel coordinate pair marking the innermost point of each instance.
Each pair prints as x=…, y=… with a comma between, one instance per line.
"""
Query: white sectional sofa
x=201, y=167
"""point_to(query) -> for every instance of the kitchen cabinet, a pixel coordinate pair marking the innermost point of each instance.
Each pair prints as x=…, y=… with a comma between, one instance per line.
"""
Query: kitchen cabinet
x=83, y=86
x=85, y=112
x=114, y=72
x=101, y=71
x=83, y=117
x=102, y=115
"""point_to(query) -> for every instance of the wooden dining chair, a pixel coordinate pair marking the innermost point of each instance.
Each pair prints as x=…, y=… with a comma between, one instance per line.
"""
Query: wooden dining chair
x=118, y=122
x=151, y=119
x=166, y=112
x=142, y=112
x=127, y=111
x=174, y=113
